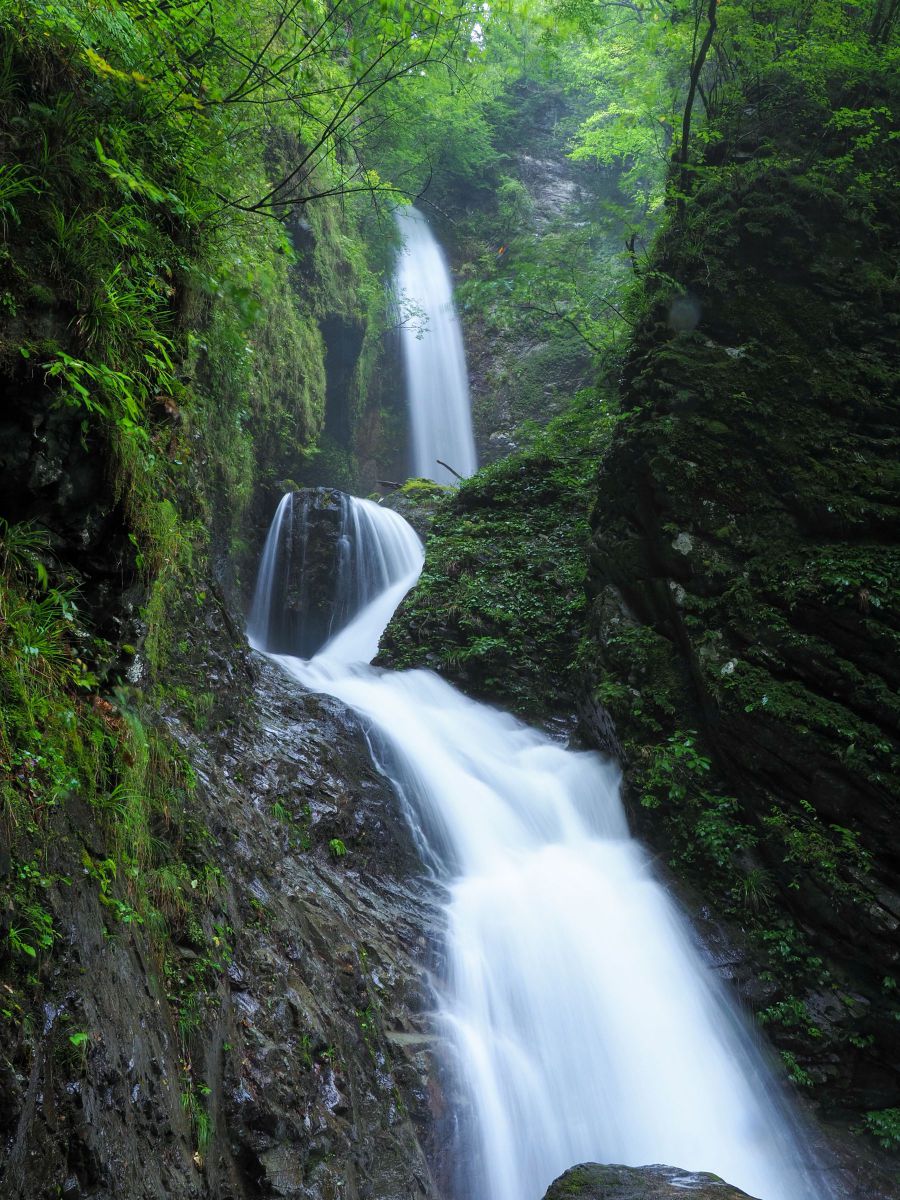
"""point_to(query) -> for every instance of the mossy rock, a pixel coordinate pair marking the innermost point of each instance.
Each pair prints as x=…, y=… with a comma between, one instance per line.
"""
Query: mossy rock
x=744, y=581
x=417, y=501
x=500, y=606
x=608, y=1181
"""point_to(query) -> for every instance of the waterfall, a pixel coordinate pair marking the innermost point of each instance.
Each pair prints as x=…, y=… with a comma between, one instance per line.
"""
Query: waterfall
x=581, y=1019
x=437, y=384
x=327, y=556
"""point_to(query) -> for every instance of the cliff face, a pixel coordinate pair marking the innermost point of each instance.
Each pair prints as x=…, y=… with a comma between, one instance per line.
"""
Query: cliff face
x=744, y=580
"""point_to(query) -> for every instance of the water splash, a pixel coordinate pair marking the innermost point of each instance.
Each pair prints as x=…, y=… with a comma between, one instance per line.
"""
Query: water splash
x=437, y=382
x=582, y=1020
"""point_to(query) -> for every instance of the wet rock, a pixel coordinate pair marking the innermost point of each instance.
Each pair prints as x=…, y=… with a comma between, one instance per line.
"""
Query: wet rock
x=595, y=1181
x=416, y=501
x=309, y=557
x=48, y=478
x=285, y=1052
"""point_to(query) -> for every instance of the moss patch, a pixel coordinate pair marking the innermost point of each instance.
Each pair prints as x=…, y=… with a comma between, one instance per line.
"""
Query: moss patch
x=500, y=605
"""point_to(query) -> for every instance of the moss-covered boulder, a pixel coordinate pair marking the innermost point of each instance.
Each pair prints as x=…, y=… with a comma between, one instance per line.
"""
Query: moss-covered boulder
x=609, y=1181
x=416, y=501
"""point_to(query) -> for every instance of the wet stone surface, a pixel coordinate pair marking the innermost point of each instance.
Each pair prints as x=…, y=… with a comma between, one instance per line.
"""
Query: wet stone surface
x=296, y=1059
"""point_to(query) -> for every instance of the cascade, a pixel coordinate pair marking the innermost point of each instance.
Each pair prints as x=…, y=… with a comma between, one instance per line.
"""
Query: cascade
x=580, y=1018
x=322, y=563
x=434, y=360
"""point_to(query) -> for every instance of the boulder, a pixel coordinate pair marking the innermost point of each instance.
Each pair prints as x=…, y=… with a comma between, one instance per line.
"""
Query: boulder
x=611, y=1181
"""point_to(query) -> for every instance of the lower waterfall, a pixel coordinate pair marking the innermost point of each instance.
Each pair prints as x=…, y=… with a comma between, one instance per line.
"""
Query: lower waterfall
x=581, y=1019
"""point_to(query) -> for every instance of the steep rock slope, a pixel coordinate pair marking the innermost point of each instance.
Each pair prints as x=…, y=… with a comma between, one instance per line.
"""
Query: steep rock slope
x=269, y=1038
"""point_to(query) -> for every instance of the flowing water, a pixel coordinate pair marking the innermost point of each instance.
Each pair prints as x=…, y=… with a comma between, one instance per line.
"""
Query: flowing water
x=580, y=1017
x=434, y=360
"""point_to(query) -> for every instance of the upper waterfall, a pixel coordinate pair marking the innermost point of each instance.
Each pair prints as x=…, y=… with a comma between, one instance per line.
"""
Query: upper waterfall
x=437, y=383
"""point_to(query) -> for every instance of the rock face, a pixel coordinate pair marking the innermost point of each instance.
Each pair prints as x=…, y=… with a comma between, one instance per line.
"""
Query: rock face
x=309, y=555
x=416, y=501
x=276, y=1044
x=744, y=580
x=52, y=473
x=595, y=1181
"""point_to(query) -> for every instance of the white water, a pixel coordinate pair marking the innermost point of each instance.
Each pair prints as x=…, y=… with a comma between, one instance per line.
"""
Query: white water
x=434, y=360
x=364, y=567
x=583, y=1022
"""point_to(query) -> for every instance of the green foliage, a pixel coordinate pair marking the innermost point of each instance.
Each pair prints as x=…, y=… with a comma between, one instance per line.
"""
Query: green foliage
x=637, y=73
x=790, y=1013
x=32, y=931
x=795, y=1072
x=500, y=602
x=884, y=1126
x=669, y=766
x=14, y=185
x=708, y=829
x=193, y=1102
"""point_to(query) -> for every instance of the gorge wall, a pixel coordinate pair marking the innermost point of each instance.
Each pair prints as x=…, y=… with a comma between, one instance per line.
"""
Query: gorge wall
x=743, y=581
x=203, y=942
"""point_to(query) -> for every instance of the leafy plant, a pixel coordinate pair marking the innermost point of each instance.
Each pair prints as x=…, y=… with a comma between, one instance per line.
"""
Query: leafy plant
x=671, y=766
x=884, y=1126
x=15, y=185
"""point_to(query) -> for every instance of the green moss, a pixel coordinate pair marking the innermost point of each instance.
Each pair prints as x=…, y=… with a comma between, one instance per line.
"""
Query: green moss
x=423, y=489
x=500, y=604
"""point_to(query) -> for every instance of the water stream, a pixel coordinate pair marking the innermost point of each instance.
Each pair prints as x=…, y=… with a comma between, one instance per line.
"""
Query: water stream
x=434, y=360
x=579, y=1014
